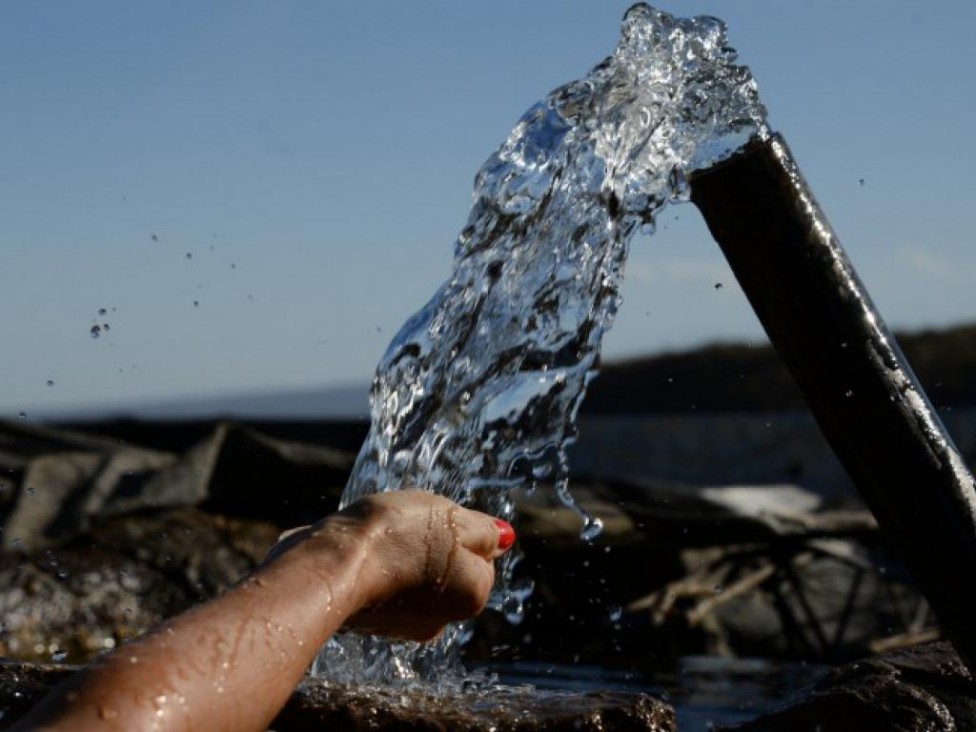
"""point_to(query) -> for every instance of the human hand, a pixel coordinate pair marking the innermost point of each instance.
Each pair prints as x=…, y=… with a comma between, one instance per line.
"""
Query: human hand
x=425, y=561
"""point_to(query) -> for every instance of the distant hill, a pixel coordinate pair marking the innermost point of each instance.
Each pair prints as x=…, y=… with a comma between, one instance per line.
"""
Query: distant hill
x=716, y=378
x=741, y=378
x=335, y=403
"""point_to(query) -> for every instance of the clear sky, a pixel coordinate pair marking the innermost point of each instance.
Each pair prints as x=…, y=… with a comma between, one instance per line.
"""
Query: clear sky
x=258, y=194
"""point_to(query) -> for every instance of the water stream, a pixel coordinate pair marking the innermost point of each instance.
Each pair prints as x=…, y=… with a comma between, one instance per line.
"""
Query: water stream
x=477, y=394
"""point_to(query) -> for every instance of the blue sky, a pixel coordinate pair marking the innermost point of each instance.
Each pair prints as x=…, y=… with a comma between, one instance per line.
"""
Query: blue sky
x=258, y=194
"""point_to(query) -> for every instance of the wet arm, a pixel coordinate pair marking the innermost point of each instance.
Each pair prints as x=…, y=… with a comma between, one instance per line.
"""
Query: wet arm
x=229, y=664
x=401, y=564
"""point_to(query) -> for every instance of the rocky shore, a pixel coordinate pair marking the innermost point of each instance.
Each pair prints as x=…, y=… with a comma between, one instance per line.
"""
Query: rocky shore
x=104, y=537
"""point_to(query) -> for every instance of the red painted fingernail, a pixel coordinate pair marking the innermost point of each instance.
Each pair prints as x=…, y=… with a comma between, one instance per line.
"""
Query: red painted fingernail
x=506, y=534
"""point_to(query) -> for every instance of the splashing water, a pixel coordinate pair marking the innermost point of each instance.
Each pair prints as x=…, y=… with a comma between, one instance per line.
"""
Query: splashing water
x=477, y=394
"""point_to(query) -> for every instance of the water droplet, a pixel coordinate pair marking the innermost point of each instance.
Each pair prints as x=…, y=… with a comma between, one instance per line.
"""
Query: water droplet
x=718, y=589
x=59, y=656
x=96, y=331
x=189, y=255
x=718, y=285
x=22, y=415
x=616, y=613
x=542, y=471
x=154, y=237
x=31, y=490
x=514, y=610
x=102, y=311
x=196, y=303
x=592, y=528
x=50, y=382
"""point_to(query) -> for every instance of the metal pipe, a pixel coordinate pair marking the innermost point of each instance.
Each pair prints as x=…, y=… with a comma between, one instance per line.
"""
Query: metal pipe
x=860, y=389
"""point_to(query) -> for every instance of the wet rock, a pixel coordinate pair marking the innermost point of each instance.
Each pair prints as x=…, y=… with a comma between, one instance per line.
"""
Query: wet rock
x=55, y=483
x=679, y=568
x=925, y=687
x=204, y=553
x=317, y=706
x=22, y=685
x=126, y=575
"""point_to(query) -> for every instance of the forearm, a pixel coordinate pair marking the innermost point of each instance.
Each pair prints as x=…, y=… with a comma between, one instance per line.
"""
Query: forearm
x=228, y=664
x=403, y=564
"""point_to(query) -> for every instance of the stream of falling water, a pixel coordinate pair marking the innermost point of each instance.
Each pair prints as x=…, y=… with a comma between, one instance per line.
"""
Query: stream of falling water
x=477, y=395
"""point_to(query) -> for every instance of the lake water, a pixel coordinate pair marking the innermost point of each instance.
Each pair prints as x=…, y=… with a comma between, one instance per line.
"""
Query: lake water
x=704, y=690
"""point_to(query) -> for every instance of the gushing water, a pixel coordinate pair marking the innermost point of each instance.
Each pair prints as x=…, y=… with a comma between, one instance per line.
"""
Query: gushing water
x=477, y=394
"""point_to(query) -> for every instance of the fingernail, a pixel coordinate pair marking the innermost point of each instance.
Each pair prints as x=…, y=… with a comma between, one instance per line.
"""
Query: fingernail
x=506, y=534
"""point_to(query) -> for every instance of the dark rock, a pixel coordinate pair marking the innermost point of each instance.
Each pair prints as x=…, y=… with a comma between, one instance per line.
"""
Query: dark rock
x=925, y=687
x=22, y=685
x=125, y=576
x=317, y=706
x=55, y=483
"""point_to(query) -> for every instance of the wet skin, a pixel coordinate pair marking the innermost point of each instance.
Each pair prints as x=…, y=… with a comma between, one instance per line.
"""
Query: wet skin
x=401, y=564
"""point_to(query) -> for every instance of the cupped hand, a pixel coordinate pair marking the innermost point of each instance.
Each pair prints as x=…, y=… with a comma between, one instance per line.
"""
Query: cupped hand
x=426, y=561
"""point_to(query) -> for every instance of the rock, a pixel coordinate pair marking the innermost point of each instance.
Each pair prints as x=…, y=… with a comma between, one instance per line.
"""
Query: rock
x=55, y=483
x=924, y=687
x=22, y=685
x=126, y=575
x=316, y=706
x=105, y=538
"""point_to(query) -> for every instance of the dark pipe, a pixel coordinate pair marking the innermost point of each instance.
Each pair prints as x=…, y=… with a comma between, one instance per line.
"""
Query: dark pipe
x=863, y=394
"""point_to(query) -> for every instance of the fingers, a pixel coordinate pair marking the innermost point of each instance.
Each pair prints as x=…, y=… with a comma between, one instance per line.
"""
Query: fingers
x=429, y=562
x=506, y=535
x=466, y=594
x=482, y=534
x=485, y=536
x=419, y=614
x=475, y=578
